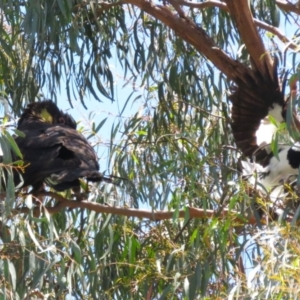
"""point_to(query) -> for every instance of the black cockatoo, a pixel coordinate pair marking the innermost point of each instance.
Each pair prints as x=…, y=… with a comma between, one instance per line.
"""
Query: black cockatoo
x=53, y=150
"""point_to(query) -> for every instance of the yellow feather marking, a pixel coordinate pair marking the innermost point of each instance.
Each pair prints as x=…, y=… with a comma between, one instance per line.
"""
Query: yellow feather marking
x=46, y=116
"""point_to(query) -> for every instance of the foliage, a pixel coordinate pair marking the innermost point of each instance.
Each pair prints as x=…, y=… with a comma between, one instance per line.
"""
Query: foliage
x=176, y=152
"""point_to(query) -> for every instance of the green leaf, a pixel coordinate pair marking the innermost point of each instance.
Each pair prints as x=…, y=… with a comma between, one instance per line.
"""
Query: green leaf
x=77, y=252
x=13, y=145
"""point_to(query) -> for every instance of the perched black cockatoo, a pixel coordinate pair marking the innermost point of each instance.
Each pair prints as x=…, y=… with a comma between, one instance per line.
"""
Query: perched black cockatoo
x=254, y=99
x=54, y=151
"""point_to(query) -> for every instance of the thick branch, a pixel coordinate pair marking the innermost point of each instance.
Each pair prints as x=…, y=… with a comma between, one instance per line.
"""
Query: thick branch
x=194, y=35
x=240, y=12
x=258, y=23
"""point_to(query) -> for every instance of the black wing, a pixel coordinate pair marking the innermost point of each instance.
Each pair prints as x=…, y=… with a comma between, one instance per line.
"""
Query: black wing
x=252, y=98
x=58, y=155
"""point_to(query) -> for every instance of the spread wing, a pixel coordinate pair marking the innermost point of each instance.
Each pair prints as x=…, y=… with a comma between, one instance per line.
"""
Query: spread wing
x=59, y=155
x=253, y=97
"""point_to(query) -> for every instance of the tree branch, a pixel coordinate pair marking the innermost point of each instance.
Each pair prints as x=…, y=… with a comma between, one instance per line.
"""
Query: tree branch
x=278, y=33
x=194, y=35
x=288, y=6
x=139, y=213
x=205, y=4
x=240, y=12
x=288, y=43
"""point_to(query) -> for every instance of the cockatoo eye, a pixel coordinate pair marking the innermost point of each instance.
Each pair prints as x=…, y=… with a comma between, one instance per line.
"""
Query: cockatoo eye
x=61, y=120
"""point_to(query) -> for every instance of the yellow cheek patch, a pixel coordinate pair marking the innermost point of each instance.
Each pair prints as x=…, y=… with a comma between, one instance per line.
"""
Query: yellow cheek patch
x=46, y=116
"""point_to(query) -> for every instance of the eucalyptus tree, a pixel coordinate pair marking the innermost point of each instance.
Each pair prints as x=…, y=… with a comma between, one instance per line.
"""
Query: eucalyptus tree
x=182, y=224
